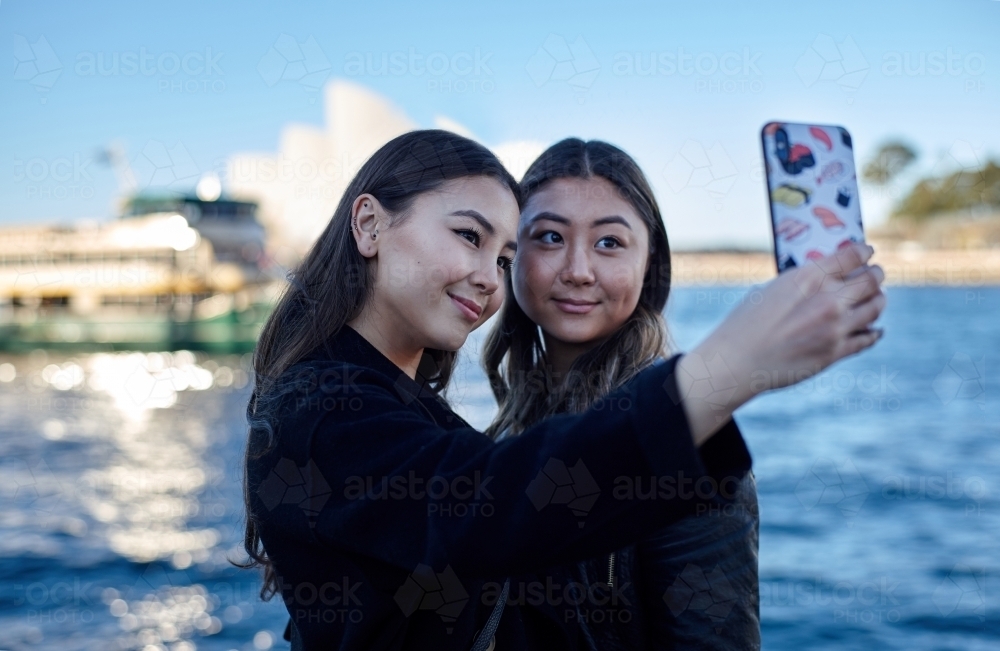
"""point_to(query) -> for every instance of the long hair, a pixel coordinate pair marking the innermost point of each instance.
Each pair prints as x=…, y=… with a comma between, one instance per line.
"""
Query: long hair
x=514, y=358
x=334, y=282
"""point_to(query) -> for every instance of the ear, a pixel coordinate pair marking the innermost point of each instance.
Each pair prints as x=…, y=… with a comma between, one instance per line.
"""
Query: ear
x=366, y=216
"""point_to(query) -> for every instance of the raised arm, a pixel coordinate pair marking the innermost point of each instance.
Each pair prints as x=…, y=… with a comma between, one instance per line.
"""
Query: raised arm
x=807, y=319
x=393, y=487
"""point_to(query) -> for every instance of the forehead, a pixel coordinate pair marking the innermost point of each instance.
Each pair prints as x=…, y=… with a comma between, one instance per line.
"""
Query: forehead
x=488, y=196
x=581, y=199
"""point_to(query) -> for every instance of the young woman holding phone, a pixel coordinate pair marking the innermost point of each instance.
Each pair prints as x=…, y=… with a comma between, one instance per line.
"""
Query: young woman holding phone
x=366, y=495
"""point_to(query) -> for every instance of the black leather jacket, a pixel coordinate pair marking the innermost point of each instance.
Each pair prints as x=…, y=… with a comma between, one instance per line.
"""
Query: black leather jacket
x=691, y=585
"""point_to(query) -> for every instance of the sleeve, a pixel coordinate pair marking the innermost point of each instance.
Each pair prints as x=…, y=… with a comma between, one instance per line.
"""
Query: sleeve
x=405, y=491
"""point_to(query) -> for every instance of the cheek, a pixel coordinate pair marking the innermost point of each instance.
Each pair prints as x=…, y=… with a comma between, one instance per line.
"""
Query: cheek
x=532, y=281
x=436, y=266
x=623, y=287
x=623, y=283
x=493, y=304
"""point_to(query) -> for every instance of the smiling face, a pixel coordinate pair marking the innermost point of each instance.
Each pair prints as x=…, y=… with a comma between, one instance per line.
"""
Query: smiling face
x=582, y=254
x=440, y=267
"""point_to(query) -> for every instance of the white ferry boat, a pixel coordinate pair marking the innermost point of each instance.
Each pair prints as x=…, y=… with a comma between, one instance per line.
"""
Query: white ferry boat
x=172, y=272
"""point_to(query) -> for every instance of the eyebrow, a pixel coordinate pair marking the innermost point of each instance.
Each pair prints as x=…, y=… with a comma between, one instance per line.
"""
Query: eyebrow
x=611, y=219
x=551, y=216
x=485, y=223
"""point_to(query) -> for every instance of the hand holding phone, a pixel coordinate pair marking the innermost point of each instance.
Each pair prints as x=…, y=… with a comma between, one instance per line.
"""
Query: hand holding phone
x=812, y=189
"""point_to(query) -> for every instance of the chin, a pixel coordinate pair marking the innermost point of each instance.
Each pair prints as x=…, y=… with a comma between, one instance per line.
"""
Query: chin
x=574, y=336
x=447, y=339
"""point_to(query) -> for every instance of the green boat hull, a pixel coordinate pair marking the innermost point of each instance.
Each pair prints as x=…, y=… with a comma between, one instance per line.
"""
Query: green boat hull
x=228, y=333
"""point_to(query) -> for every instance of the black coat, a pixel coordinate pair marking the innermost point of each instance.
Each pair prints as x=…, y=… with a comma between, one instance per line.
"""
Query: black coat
x=691, y=585
x=386, y=515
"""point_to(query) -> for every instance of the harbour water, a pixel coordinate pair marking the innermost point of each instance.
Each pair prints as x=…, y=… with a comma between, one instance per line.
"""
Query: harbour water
x=120, y=501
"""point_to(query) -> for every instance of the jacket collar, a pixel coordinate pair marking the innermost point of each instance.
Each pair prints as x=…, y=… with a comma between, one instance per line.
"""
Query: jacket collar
x=348, y=345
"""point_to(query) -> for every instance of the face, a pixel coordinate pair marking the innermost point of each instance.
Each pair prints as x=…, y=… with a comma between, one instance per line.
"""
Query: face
x=440, y=267
x=582, y=253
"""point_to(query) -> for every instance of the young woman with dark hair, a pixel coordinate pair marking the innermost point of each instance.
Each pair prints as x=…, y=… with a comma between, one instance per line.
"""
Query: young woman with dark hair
x=376, y=512
x=589, y=288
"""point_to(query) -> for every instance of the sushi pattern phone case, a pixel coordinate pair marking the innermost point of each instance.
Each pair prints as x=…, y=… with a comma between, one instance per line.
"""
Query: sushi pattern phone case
x=813, y=190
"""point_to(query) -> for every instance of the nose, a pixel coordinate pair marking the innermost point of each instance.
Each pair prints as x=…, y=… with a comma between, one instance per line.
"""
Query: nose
x=487, y=277
x=578, y=270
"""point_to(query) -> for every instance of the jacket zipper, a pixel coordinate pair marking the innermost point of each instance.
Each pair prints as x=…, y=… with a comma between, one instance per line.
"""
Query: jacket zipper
x=611, y=569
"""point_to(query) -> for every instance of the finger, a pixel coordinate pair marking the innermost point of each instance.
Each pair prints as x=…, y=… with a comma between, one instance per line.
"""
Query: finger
x=858, y=342
x=863, y=285
x=862, y=269
x=864, y=314
x=827, y=273
x=843, y=262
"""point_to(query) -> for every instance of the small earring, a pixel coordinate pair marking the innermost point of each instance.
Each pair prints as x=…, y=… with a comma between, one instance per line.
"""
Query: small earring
x=375, y=234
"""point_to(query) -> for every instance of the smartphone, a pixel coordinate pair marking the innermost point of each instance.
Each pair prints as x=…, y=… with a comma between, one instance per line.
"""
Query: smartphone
x=812, y=187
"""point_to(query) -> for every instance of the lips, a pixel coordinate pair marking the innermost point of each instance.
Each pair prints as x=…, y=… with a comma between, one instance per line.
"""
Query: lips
x=574, y=305
x=469, y=308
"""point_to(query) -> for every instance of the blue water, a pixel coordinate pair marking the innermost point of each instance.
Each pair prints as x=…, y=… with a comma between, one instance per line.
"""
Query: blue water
x=878, y=481
x=880, y=520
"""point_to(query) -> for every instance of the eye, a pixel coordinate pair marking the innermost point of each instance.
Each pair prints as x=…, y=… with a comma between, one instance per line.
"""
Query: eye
x=505, y=262
x=550, y=237
x=470, y=234
x=608, y=242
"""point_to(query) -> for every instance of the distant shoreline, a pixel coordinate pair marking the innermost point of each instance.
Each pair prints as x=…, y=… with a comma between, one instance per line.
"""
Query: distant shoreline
x=952, y=268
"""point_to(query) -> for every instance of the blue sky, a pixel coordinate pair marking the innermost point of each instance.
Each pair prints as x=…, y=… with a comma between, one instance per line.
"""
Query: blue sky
x=926, y=72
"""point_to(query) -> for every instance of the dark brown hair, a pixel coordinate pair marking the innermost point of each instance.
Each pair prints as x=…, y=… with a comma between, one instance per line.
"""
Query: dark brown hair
x=334, y=282
x=514, y=354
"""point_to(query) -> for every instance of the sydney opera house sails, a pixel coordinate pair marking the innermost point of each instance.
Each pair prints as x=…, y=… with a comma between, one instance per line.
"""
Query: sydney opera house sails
x=299, y=186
